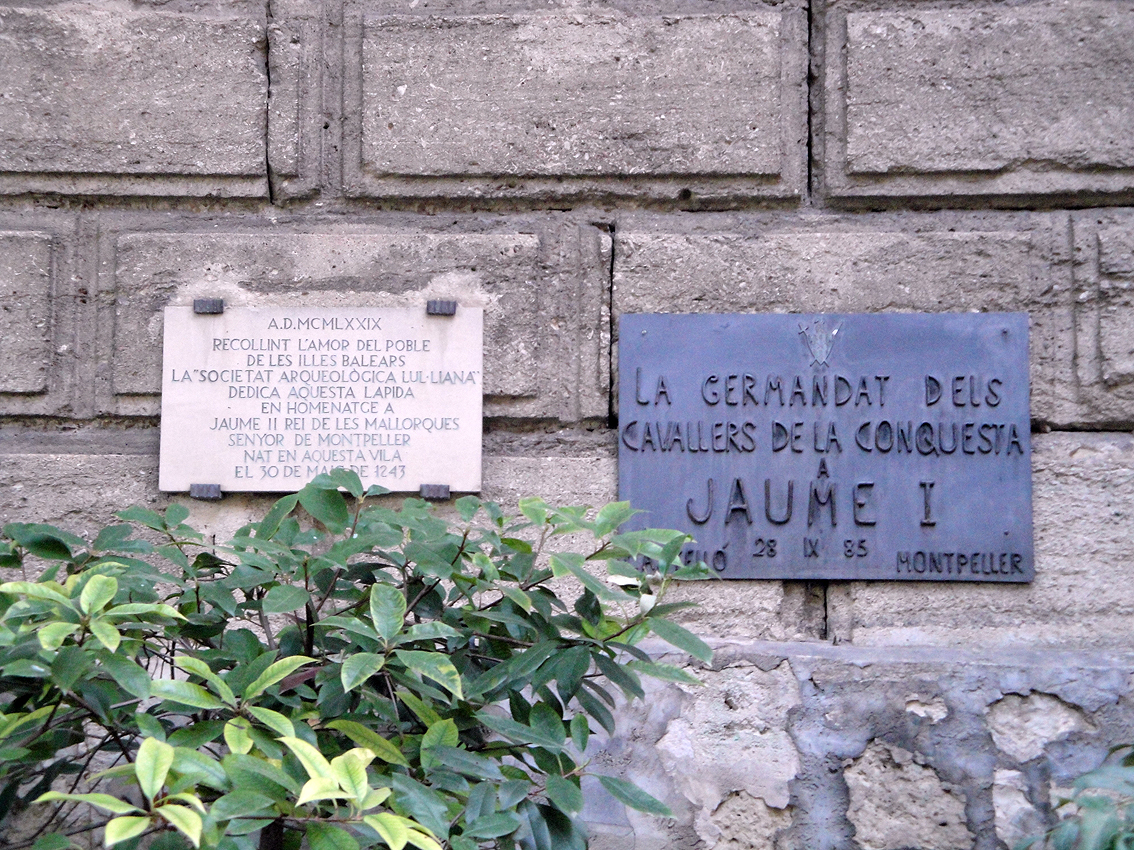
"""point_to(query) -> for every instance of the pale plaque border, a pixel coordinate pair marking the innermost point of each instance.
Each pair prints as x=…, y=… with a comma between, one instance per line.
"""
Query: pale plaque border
x=435, y=436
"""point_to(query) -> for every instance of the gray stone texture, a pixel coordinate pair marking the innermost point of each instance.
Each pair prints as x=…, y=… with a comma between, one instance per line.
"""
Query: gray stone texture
x=582, y=100
x=1083, y=502
x=979, y=99
x=118, y=101
x=868, y=263
x=886, y=748
x=1104, y=310
x=546, y=327
x=25, y=311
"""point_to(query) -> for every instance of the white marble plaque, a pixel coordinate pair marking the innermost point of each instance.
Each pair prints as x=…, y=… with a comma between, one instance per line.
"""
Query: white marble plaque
x=266, y=399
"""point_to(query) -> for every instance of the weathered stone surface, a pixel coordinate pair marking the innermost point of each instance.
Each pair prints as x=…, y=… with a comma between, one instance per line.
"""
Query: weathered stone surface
x=990, y=100
x=1016, y=818
x=745, y=822
x=1104, y=312
x=295, y=118
x=25, y=311
x=561, y=102
x=897, y=803
x=833, y=264
x=1022, y=726
x=545, y=314
x=131, y=102
x=1083, y=499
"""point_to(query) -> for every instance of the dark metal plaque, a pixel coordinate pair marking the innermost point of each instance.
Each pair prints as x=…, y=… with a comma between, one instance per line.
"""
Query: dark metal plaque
x=889, y=447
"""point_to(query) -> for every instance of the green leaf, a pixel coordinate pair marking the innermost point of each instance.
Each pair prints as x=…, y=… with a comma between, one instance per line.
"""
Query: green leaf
x=270, y=524
x=105, y=633
x=387, y=610
x=53, y=841
x=152, y=766
x=631, y=795
x=665, y=672
x=97, y=593
x=276, y=672
x=236, y=735
x=123, y=829
x=611, y=516
x=564, y=793
x=272, y=719
x=199, y=668
x=102, y=801
x=428, y=807
x=312, y=760
x=184, y=820
x=442, y=733
x=364, y=737
x=325, y=836
x=349, y=770
x=547, y=722
x=36, y=590
x=342, y=479
x=495, y=825
x=326, y=505
x=421, y=841
x=391, y=828
x=52, y=635
x=127, y=675
x=185, y=693
x=518, y=731
x=284, y=598
x=199, y=768
x=360, y=667
x=465, y=762
x=422, y=709
x=683, y=639
x=434, y=665
x=240, y=804
x=467, y=506
x=321, y=788
x=580, y=732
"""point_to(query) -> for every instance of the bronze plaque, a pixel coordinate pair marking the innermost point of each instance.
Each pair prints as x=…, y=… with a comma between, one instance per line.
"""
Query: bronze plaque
x=892, y=447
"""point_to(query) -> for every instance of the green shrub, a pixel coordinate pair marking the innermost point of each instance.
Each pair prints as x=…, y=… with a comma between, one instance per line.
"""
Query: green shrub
x=1099, y=814
x=339, y=675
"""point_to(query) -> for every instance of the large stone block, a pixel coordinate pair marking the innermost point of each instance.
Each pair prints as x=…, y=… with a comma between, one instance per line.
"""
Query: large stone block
x=542, y=289
x=1083, y=504
x=867, y=264
x=25, y=311
x=988, y=99
x=886, y=748
x=547, y=104
x=131, y=102
x=296, y=122
x=1104, y=313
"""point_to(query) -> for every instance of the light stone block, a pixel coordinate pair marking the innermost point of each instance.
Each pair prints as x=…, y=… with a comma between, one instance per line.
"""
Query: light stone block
x=131, y=102
x=1083, y=494
x=1104, y=312
x=870, y=264
x=25, y=311
x=263, y=400
x=566, y=102
x=545, y=329
x=980, y=100
x=897, y=803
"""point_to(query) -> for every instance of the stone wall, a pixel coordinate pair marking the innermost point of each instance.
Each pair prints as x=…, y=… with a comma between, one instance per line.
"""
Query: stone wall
x=567, y=161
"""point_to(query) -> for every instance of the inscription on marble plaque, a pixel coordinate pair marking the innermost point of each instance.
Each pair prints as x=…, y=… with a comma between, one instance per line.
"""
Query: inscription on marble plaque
x=265, y=399
x=890, y=447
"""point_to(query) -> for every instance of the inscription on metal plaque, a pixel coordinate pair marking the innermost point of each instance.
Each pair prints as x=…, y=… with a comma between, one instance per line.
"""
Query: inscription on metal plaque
x=266, y=399
x=890, y=447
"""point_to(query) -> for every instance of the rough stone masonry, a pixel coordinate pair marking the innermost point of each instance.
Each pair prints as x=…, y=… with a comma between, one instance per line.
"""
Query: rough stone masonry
x=562, y=162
